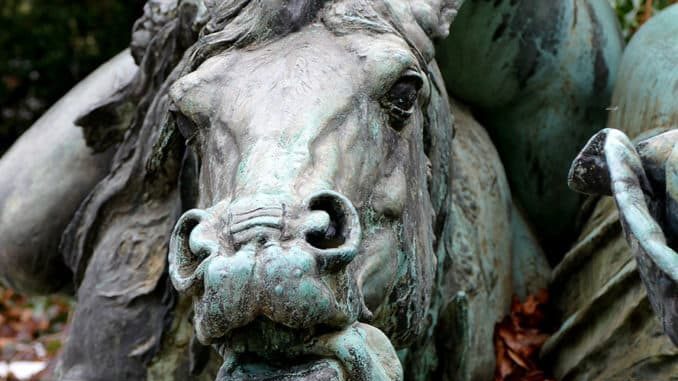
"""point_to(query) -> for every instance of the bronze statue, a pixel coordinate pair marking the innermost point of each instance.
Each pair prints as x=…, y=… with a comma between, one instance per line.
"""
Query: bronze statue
x=329, y=213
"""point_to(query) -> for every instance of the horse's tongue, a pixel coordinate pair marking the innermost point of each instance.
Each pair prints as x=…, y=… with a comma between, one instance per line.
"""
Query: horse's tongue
x=315, y=370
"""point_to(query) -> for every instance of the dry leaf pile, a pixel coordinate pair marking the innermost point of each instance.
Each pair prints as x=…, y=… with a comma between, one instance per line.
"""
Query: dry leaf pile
x=519, y=337
x=31, y=330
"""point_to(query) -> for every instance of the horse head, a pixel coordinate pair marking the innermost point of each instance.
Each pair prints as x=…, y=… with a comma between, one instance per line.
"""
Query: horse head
x=312, y=218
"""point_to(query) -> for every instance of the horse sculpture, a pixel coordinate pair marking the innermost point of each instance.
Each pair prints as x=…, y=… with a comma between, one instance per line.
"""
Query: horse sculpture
x=329, y=213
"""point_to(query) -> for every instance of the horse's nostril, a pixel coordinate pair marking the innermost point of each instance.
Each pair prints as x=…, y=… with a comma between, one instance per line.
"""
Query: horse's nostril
x=188, y=248
x=329, y=228
x=333, y=228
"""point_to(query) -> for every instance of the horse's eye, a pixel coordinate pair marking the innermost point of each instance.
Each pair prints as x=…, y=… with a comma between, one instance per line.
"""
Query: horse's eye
x=400, y=99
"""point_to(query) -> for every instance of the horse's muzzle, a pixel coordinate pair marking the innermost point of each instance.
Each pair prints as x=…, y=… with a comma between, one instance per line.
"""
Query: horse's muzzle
x=260, y=257
x=326, y=224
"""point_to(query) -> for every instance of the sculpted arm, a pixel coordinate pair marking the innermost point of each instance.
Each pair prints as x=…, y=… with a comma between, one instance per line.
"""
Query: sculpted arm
x=642, y=180
x=45, y=175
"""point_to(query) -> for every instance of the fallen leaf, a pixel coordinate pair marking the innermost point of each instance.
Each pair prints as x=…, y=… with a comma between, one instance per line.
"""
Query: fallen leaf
x=31, y=335
x=519, y=337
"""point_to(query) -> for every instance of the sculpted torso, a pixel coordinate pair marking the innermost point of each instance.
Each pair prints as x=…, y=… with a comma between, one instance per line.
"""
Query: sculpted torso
x=290, y=182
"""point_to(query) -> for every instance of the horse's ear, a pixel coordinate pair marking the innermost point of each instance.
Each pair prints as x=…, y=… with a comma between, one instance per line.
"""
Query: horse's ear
x=105, y=124
x=435, y=16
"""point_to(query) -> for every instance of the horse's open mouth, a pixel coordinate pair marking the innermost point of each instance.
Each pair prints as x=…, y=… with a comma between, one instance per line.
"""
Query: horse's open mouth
x=269, y=340
x=265, y=350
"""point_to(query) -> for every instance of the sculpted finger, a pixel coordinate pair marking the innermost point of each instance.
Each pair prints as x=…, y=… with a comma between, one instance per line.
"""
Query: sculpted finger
x=589, y=173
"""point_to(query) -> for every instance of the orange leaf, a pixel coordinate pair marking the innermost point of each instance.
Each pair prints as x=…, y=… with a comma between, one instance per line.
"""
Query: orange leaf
x=518, y=339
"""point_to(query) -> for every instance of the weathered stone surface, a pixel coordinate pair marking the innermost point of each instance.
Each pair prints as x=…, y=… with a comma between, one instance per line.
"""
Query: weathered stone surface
x=609, y=330
x=485, y=254
x=530, y=269
x=539, y=75
x=474, y=260
x=46, y=175
x=645, y=93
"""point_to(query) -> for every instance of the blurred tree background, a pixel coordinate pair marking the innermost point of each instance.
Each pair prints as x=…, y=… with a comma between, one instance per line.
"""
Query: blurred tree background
x=633, y=13
x=47, y=46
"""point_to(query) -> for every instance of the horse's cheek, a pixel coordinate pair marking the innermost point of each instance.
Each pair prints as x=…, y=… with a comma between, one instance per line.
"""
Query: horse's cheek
x=390, y=194
x=378, y=270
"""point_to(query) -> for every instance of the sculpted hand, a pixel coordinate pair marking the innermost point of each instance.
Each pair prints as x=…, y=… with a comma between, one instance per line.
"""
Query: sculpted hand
x=364, y=351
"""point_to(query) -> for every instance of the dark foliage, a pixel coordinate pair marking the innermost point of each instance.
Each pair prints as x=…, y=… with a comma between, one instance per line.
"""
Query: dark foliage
x=47, y=46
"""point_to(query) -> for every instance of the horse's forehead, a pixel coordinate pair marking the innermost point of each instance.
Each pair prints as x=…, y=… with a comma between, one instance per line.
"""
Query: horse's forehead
x=313, y=60
x=299, y=56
